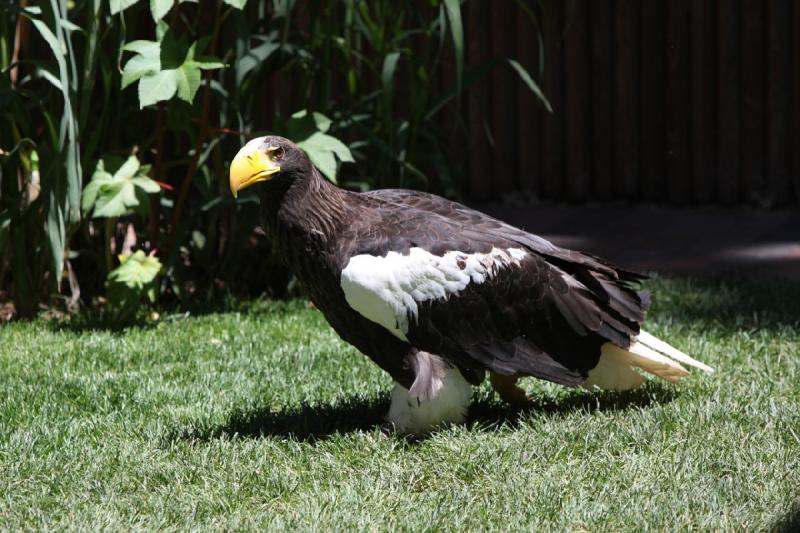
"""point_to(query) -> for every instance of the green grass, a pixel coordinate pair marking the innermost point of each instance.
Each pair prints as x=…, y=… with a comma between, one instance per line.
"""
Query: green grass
x=258, y=416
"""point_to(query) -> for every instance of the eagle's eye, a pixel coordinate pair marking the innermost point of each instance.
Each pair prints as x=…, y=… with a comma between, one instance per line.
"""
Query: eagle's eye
x=276, y=152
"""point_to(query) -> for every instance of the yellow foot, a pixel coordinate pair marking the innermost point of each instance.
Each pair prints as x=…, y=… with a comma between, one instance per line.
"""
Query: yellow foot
x=506, y=387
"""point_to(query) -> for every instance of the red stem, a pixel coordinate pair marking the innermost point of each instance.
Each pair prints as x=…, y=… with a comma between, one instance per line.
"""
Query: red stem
x=155, y=201
x=202, y=135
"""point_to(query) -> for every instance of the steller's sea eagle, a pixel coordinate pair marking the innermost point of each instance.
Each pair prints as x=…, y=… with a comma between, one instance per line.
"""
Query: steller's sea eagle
x=437, y=294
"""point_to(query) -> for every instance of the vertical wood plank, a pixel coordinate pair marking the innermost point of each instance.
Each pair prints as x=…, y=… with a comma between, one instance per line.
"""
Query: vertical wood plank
x=552, y=124
x=479, y=187
x=795, y=99
x=653, y=61
x=779, y=61
x=703, y=22
x=529, y=108
x=677, y=101
x=576, y=105
x=754, y=61
x=602, y=98
x=729, y=102
x=501, y=95
x=271, y=100
x=626, y=104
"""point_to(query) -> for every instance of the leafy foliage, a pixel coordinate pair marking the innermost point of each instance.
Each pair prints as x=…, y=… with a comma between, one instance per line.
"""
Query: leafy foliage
x=166, y=68
x=133, y=279
x=349, y=81
x=120, y=194
x=309, y=132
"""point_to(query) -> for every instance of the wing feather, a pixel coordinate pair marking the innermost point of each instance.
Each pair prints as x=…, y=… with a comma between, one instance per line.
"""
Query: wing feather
x=545, y=315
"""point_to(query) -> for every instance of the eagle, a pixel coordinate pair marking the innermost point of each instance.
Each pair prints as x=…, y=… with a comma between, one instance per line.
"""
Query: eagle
x=439, y=295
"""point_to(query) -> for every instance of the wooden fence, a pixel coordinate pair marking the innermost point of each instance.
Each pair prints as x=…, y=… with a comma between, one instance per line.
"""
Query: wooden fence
x=679, y=101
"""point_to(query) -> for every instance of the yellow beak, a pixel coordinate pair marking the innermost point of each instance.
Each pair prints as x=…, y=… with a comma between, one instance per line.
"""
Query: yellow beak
x=250, y=166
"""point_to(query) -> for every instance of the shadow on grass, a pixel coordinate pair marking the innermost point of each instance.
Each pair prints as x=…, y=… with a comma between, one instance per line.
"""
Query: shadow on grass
x=310, y=423
x=789, y=523
x=728, y=301
x=101, y=320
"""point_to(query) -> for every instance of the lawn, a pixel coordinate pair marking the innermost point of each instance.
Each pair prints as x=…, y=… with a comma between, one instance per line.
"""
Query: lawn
x=258, y=416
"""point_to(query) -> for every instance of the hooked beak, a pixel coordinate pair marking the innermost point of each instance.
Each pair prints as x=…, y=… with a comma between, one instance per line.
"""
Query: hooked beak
x=250, y=166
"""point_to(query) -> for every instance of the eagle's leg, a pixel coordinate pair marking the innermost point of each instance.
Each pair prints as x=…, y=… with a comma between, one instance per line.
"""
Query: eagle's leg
x=508, y=390
x=439, y=395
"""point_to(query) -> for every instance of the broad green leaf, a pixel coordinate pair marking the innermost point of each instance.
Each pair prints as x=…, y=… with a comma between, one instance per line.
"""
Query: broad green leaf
x=115, y=199
x=532, y=85
x=201, y=62
x=120, y=194
x=133, y=279
x=116, y=6
x=89, y=195
x=303, y=113
x=138, y=66
x=157, y=87
x=174, y=50
x=146, y=184
x=146, y=62
x=188, y=79
x=136, y=270
x=90, y=191
x=159, y=8
x=300, y=126
x=322, y=159
x=323, y=142
x=161, y=29
x=167, y=68
x=323, y=150
x=145, y=48
x=128, y=169
x=308, y=131
x=323, y=123
x=238, y=4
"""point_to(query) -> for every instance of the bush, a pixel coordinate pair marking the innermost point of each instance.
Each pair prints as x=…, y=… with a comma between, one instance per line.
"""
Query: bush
x=173, y=88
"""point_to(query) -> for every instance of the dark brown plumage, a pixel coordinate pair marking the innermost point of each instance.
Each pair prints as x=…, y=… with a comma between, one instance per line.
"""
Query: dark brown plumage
x=520, y=306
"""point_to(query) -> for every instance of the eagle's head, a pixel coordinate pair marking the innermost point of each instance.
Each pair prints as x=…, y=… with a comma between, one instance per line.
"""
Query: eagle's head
x=267, y=158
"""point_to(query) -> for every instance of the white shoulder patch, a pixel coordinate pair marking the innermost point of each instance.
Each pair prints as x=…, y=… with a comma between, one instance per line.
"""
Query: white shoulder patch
x=387, y=290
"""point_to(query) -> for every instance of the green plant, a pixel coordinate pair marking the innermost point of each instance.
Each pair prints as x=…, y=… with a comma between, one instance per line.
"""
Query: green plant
x=166, y=67
x=182, y=84
x=42, y=214
x=123, y=193
x=132, y=280
x=310, y=132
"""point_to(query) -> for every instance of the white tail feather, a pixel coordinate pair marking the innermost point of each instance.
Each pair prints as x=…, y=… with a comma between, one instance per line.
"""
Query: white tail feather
x=615, y=369
x=671, y=351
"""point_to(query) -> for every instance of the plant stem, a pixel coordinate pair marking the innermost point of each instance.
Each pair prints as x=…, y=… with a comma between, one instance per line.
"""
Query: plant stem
x=20, y=40
x=158, y=169
x=109, y=228
x=202, y=135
